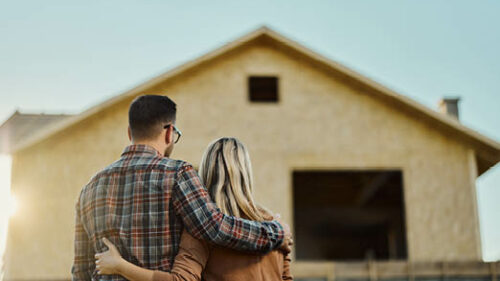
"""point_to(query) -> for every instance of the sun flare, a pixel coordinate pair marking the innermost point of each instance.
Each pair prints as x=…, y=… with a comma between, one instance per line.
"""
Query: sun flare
x=8, y=203
x=11, y=205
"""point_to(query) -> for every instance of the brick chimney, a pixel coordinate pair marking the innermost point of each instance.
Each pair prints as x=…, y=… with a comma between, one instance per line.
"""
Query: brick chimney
x=449, y=106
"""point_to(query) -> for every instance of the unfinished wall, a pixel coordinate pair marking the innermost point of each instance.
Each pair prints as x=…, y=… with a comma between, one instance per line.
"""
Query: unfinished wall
x=319, y=123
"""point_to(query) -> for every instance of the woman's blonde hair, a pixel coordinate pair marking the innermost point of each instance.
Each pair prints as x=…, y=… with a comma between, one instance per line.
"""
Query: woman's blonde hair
x=226, y=171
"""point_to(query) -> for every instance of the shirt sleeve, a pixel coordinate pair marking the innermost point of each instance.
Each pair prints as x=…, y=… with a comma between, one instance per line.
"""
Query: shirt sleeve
x=83, y=262
x=204, y=220
x=189, y=261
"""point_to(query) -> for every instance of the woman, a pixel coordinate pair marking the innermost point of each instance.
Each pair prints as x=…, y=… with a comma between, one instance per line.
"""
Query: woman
x=226, y=171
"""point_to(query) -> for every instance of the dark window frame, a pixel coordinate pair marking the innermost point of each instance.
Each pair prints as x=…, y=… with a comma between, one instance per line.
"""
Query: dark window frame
x=263, y=89
x=308, y=222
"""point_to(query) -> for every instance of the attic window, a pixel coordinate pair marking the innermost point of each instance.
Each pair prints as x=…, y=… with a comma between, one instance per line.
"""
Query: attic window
x=263, y=88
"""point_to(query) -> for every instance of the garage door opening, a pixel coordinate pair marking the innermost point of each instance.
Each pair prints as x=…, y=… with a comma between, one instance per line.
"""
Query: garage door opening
x=349, y=215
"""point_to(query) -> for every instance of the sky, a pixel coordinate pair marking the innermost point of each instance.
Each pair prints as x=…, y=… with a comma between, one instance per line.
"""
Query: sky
x=65, y=56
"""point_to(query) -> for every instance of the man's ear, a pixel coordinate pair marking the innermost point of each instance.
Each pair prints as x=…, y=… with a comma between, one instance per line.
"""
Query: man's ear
x=169, y=135
x=129, y=133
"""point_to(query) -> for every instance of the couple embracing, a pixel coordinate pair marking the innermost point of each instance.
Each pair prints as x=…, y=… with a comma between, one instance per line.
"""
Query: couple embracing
x=148, y=217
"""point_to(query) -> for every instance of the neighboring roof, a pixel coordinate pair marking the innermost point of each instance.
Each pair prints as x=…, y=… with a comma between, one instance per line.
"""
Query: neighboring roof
x=20, y=127
x=487, y=150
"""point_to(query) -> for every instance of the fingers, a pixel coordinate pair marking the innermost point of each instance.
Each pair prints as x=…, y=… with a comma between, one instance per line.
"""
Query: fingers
x=100, y=265
x=101, y=270
x=286, y=227
x=286, y=245
x=285, y=248
x=107, y=242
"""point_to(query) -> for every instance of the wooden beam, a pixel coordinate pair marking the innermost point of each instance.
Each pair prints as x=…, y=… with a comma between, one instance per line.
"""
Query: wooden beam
x=371, y=188
x=380, y=270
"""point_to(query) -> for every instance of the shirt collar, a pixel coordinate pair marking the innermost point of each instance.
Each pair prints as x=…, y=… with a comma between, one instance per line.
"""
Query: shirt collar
x=141, y=149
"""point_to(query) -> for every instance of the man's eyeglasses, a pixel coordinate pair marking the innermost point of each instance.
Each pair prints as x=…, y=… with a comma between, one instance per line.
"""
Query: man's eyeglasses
x=177, y=131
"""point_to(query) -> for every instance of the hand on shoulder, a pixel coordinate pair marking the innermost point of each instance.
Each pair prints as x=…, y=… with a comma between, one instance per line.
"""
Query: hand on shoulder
x=286, y=245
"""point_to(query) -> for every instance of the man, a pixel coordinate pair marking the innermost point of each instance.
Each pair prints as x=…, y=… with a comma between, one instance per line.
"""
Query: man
x=143, y=201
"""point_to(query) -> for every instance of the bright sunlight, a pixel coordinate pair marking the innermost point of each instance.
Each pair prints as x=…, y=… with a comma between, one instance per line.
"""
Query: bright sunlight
x=8, y=204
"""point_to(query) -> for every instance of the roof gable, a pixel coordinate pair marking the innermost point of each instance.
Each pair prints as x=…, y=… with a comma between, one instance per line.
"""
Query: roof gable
x=20, y=126
x=487, y=150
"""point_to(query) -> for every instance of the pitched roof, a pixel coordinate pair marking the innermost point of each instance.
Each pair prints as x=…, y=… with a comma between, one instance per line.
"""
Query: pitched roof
x=21, y=126
x=487, y=150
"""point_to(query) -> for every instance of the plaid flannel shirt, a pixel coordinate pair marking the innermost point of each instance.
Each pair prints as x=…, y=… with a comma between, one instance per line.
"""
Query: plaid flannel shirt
x=142, y=202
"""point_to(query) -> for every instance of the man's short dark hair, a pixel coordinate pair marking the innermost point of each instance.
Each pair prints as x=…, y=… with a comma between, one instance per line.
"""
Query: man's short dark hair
x=148, y=114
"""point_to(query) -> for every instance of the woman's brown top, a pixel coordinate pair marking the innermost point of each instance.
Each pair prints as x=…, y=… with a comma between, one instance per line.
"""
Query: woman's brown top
x=197, y=259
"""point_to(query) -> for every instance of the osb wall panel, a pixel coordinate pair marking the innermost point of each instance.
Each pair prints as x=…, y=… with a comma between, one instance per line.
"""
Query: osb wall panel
x=319, y=123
